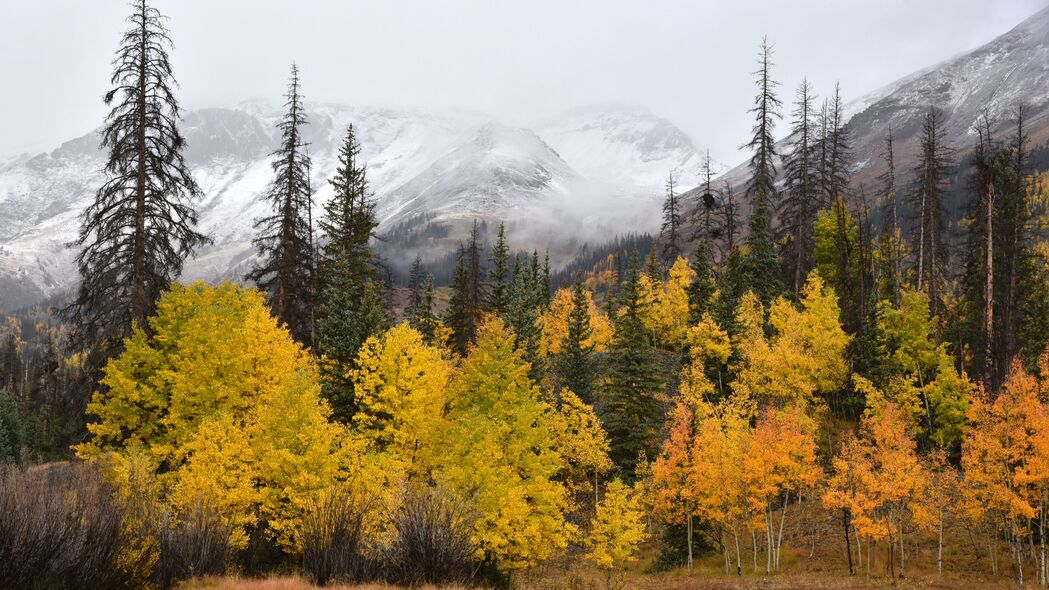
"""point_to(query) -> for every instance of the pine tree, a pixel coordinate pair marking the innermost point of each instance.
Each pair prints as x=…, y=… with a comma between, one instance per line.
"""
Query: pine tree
x=499, y=275
x=575, y=365
x=136, y=234
x=759, y=264
x=464, y=307
x=632, y=412
x=798, y=210
x=285, y=267
x=352, y=307
x=932, y=174
x=670, y=231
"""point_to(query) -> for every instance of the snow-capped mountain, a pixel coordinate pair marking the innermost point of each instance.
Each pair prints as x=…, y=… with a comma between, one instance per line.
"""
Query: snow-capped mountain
x=623, y=143
x=995, y=79
x=424, y=167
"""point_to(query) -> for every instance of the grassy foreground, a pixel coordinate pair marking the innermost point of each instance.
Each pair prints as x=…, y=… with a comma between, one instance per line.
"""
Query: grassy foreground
x=677, y=580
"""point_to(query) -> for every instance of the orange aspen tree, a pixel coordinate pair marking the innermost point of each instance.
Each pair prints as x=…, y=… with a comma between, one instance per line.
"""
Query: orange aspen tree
x=937, y=497
x=1005, y=456
x=673, y=499
x=782, y=462
x=876, y=477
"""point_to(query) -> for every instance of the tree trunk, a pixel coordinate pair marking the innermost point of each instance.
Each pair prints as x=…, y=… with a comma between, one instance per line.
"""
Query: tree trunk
x=988, y=296
x=690, y=542
x=848, y=540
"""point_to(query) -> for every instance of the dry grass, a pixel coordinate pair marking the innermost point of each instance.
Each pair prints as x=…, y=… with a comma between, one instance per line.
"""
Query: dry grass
x=280, y=583
x=671, y=581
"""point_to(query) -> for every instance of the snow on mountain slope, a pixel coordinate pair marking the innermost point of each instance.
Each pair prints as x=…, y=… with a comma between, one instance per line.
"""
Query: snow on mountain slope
x=623, y=144
x=1011, y=70
x=423, y=165
x=995, y=79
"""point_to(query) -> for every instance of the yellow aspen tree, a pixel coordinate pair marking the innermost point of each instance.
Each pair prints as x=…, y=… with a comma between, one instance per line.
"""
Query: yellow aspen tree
x=617, y=531
x=666, y=304
x=401, y=390
x=583, y=445
x=555, y=323
x=804, y=356
x=501, y=455
x=226, y=406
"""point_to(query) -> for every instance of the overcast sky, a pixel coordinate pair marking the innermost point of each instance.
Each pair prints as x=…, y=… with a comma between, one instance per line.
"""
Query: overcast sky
x=688, y=61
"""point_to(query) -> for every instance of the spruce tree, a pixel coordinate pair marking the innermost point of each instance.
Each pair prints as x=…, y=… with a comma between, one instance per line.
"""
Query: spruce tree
x=759, y=264
x=422, y=317
x=415, y=287
x=800, y=203
x=352, y=303
x=671, y=231
x=891, y=236
x=575, y=365
x=632, y=412
x=138, y=231
x=703, y=286
x=285, y=268
x=931, y=177
x=499, y=275
x=522, y=316
x=465, y=305
x=839, y=149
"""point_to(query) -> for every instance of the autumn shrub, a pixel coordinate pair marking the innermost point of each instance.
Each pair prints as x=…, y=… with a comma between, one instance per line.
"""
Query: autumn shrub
x=334, y=539
x=194, y=543
x=63, y=527
x=431, y=541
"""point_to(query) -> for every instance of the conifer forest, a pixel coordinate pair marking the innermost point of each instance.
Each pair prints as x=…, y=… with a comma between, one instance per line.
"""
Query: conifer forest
x=824, y=365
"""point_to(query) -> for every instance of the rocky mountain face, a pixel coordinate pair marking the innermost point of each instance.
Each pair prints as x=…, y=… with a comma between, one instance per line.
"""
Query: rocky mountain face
x=995, y=79
x=425, y=167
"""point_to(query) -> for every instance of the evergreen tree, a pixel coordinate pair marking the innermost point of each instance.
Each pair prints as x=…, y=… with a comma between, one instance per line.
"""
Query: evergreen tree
x=759, y=264
x=800, y=203
x=654, y=266
x=703, y=286
x=139, y=229
x=546, y=287
x=423, y=317
x=522, y=316
x=464, y=307
x=352, y=306
x=932, y=174
x=838, y=150
x=415, y=287
x=12, y=433
x=499, y=276
x=632, y=411
x=285, y=267
x=890, y=240
x=575, y=365
x=670, y=231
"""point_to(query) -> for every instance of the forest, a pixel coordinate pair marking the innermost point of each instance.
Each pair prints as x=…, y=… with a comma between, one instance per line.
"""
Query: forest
x=801, y=378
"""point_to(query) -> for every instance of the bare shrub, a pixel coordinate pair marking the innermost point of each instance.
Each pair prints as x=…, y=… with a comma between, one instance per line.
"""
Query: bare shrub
x=431, y=541
x=63, y=527
x=195, y=543
x=333, y=536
